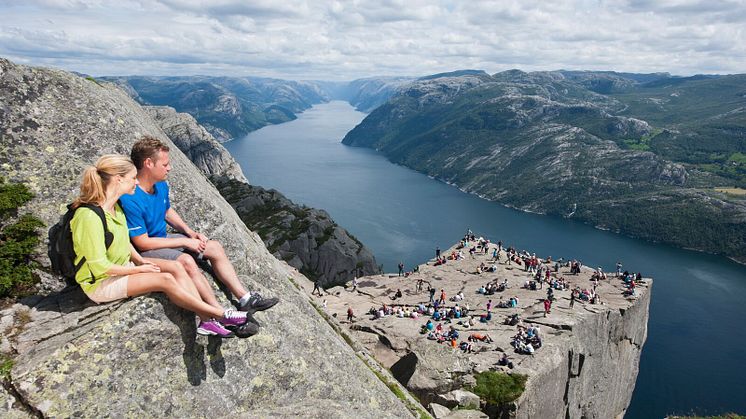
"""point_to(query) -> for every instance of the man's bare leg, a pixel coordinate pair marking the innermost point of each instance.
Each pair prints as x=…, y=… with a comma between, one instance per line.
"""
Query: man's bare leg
x=224, y=268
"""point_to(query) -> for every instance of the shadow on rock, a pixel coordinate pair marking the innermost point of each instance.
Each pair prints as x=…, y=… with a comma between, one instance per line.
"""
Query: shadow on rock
x=68, y=300
x=194, y=352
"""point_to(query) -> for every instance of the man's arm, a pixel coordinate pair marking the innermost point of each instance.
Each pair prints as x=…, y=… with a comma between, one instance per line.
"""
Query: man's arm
x=144, y=243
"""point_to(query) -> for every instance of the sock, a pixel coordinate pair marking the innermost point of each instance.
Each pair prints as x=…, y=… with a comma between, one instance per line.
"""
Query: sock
x=244, y=299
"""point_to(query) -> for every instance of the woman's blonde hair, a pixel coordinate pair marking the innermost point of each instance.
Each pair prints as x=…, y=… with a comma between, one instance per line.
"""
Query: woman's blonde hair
x=96, y=178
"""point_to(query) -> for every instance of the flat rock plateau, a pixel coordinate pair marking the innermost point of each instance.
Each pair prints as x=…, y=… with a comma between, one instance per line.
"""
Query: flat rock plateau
x=586, y=367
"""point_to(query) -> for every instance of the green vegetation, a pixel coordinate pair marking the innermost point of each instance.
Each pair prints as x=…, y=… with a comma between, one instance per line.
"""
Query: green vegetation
x=642, y=143
x=328, y=232
x=499, y=388
x=18, y=239
x=6, y=365
x=91, y=79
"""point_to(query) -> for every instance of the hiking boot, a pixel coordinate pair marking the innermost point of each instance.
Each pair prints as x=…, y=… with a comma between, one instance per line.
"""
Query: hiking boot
x=213, y=328
x=257, y=303
x=250, y=328
x=233, y=318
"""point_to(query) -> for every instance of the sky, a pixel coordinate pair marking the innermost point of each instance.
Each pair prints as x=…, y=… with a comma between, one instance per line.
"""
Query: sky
x=345, y=40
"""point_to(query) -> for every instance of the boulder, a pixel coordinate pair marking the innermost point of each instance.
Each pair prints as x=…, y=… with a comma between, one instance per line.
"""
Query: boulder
x=428, y=370
x=438, y=411
x=140, y=357
x=459, y=398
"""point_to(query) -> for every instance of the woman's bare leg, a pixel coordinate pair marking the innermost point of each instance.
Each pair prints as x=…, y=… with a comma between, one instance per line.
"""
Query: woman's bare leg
x=182, y=278
x=180, y=270
x=144, y=283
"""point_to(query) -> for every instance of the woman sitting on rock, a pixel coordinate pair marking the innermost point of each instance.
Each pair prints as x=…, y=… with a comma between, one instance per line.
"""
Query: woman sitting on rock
x=117, y=272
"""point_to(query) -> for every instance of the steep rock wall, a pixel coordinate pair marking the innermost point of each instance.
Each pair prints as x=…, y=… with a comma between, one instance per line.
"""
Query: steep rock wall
x=140, y=357
x=594, y=374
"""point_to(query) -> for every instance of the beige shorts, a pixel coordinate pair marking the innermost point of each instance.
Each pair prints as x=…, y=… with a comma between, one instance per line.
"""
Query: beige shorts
x=111, y=289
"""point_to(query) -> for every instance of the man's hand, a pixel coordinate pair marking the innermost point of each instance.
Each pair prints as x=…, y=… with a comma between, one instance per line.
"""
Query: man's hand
x=201, y=237
x=195, y=235
x=195, y=245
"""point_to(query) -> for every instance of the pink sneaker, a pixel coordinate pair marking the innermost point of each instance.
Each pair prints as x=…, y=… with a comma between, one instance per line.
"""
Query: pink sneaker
x=213, y=328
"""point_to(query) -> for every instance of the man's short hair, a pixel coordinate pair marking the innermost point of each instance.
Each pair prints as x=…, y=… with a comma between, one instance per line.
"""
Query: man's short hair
x=145, y=148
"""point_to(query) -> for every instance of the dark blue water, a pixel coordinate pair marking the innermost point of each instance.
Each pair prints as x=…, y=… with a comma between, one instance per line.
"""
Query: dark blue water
x=694, y=360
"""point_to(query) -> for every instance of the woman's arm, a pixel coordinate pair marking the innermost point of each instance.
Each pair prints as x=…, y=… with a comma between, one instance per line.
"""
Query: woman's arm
x=135, y=257
x=143, y=266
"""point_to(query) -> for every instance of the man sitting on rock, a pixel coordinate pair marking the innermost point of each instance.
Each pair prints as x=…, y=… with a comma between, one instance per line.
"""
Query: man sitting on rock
x=149, y=209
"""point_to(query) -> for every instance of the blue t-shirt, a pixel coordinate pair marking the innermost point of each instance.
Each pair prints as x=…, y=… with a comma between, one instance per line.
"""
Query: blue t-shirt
x=146, y=213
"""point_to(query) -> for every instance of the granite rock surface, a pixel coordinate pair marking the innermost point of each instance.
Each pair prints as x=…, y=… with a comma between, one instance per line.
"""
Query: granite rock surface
x=586, y=367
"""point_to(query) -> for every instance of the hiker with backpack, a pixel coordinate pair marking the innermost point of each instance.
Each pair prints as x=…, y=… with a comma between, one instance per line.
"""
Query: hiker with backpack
x=148, y=212
x=107, y=266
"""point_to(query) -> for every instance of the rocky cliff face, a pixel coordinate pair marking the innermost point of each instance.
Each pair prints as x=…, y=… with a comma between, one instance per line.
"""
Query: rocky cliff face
x=140, y=357
x=306, y=238
x=196, y=143
x=593, y=375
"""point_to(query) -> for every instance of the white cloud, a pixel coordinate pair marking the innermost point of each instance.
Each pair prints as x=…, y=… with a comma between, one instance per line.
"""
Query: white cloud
x=357, y=38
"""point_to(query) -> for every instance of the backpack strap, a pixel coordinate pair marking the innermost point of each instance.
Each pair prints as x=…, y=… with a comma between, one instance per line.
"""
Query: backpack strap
x=108, y=236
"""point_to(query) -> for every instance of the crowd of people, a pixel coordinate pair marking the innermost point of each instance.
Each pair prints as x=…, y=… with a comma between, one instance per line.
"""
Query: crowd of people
x=527, y=340
x=448, y=319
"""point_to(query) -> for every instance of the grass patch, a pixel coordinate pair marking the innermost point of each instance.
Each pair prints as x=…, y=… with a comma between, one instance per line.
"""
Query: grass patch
x=499, y=388
x=91, y=79
x=292, y=281
x=6, y=364
x=732, y=191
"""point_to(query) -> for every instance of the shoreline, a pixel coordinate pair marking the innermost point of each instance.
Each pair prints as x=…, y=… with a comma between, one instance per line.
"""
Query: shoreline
x=588, y=223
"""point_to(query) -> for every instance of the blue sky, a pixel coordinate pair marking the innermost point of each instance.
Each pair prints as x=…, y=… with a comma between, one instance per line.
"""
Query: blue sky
x=344, y=40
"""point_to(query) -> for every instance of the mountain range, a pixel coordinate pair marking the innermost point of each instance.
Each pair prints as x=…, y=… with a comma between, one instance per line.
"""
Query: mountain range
x=230, y=107
x=650, y=155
